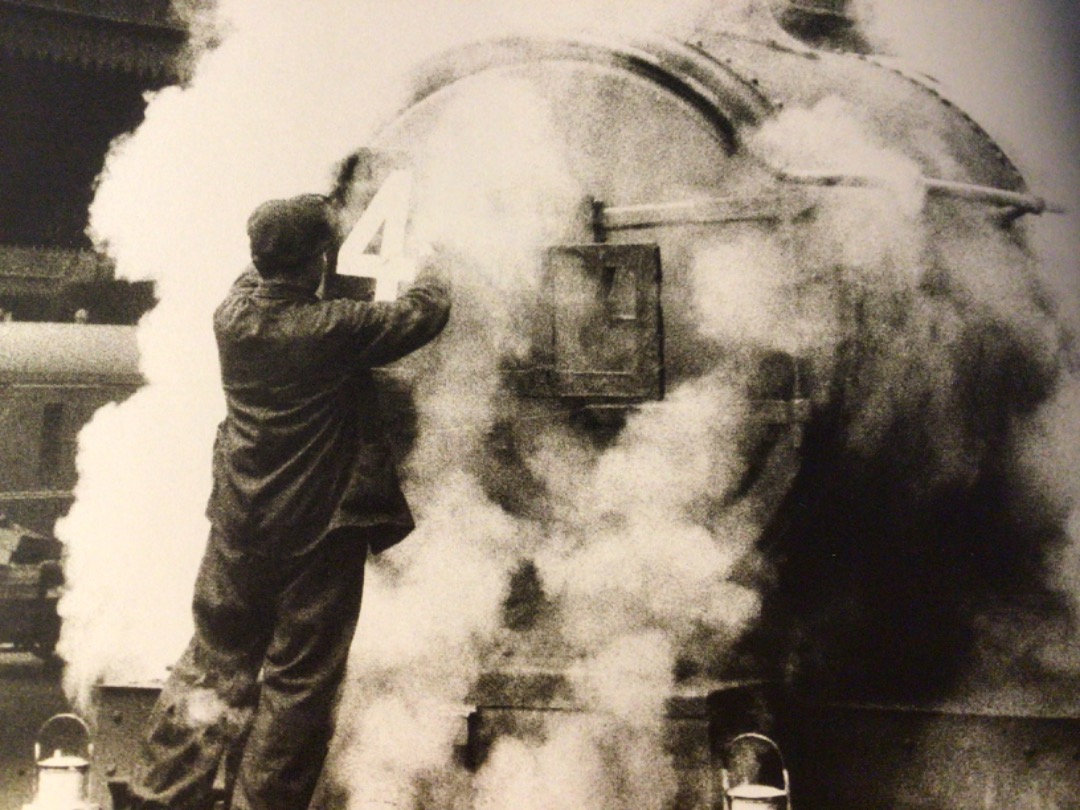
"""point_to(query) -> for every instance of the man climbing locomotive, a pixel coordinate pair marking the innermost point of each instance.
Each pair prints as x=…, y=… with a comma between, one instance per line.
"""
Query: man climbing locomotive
x=303, y=488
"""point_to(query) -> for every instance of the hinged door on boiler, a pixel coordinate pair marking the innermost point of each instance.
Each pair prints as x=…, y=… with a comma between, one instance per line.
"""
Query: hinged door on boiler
x=603, y=335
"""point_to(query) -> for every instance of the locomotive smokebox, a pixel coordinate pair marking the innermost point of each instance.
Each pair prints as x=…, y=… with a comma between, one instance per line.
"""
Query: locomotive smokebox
x=810, y=266
x=821, y=237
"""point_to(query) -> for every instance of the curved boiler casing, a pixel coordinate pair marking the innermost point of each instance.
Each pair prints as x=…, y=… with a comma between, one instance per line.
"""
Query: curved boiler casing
x=814, y=236
x=735, y=83
x=523, y=145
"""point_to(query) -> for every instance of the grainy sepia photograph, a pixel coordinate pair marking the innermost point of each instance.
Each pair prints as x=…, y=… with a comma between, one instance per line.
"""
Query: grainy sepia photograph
x=505, y=405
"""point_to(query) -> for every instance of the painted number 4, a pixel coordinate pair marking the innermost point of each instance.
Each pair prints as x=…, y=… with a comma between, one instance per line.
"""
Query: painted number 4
x=375, y=246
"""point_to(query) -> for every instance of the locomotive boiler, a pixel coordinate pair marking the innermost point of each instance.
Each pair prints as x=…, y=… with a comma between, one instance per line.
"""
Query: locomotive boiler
x=747, y=332
x=654, y=197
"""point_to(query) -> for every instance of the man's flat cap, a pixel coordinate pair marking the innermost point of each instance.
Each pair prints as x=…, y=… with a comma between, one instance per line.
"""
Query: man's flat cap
x=286, y=233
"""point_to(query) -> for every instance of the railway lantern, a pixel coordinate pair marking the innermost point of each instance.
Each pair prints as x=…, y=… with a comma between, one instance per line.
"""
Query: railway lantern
x=754, y=776
x=62, y=778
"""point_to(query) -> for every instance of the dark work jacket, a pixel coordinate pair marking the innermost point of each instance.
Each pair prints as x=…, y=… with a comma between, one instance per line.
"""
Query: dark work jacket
x=302, y=451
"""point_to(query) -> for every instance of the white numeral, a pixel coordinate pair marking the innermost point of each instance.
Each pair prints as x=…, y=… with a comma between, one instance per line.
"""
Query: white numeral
x=387, y=212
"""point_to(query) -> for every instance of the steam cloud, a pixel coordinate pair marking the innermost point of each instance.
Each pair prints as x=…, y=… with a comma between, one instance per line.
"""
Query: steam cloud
x=645, y=565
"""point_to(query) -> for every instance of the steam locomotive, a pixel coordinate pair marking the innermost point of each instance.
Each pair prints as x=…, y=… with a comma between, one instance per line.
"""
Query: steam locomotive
x=842, y=251
x=652, y=168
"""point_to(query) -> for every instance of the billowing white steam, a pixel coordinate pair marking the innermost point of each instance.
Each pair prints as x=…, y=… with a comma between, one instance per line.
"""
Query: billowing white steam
x=633, y=549
x=1040, y=134
x=627, y=550
x=269, y=113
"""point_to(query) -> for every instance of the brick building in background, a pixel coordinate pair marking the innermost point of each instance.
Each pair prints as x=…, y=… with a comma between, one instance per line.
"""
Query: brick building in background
x=73, y=76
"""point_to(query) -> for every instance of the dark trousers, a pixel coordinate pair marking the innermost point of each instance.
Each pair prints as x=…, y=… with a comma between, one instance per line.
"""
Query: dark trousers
x=292, y=619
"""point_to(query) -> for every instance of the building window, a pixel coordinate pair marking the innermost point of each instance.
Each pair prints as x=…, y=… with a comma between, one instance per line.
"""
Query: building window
x=52, y=424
